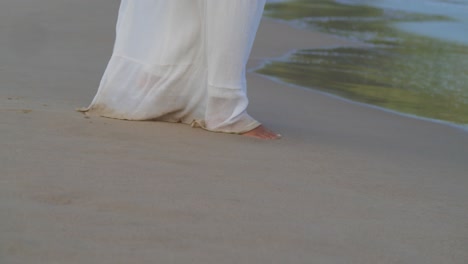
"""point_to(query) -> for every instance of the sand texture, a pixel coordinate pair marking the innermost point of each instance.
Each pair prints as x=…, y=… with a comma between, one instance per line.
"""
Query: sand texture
x=346, y=184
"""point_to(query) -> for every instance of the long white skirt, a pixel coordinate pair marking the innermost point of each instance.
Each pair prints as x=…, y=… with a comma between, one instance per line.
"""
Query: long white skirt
x=181, y=61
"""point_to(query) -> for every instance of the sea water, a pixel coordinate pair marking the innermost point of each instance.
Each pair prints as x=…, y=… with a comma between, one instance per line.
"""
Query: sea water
x=455, y=29
x=414, y=57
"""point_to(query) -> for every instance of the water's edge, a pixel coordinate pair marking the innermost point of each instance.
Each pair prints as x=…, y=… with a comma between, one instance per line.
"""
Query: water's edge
x=289, y=79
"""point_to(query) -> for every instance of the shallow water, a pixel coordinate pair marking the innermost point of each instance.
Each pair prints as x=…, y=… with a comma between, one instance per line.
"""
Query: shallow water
x=407, y=70
x=455, y=10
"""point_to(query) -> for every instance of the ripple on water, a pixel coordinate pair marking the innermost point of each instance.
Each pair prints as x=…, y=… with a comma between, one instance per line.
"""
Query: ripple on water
x=398, y=70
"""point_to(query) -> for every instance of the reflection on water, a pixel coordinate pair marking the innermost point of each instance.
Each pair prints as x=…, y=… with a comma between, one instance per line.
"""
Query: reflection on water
x=396, y=70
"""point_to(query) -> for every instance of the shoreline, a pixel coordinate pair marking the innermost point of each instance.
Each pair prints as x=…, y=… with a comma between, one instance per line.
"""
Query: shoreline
x=339, y=42
x=433, y=92
x=463, y=128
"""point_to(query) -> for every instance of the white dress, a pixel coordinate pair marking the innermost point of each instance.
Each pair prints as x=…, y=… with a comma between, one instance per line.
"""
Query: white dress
x=181, y=61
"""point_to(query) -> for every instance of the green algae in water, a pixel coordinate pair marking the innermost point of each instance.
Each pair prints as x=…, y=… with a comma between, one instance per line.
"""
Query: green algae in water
x=395, y=70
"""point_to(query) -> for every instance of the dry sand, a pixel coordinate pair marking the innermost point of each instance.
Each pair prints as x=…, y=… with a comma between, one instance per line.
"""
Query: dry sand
x=346, y=184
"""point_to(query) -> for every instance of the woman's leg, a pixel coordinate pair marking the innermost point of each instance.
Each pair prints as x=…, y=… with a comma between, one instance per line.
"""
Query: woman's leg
x=231, y=26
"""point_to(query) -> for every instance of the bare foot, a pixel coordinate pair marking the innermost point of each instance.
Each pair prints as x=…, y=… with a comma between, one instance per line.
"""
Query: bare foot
x=262, y=132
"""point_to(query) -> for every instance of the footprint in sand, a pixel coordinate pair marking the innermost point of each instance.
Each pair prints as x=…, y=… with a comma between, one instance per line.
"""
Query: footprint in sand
x=24, y=111
x=56, y=199
x=10, y=98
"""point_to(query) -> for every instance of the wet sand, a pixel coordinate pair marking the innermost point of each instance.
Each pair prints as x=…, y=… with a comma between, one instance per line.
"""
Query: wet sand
x=346, y=184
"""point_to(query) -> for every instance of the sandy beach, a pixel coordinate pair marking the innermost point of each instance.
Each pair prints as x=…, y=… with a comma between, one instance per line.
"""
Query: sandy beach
x=346, y=184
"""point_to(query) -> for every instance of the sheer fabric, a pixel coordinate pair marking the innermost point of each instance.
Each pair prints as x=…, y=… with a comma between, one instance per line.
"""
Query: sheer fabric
x=181, y=61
